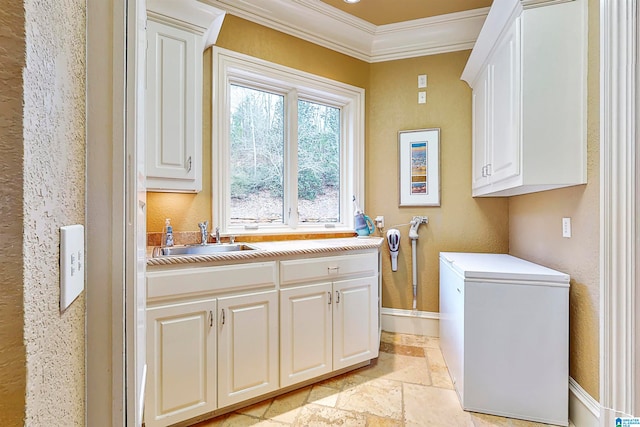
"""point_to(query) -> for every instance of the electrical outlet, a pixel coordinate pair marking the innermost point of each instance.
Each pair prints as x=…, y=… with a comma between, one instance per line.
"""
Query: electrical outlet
x=422, y=97
x=379, y=221
x=566, y=227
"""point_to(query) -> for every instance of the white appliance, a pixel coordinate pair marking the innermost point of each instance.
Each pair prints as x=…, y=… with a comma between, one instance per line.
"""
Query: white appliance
x=504, y=332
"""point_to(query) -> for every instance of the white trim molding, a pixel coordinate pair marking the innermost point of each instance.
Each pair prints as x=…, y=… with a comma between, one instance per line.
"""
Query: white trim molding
x=618, y=204
x=200, y=18
x=584, y=410
x=327, y=26
x=106, y=398
x=410, y=322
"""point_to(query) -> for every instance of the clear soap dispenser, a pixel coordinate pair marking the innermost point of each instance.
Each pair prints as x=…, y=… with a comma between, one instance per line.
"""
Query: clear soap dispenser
x=168, y=233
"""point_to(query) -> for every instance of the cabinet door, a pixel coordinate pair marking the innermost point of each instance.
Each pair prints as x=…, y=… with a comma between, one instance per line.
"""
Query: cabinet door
x=181, y=360
x=480, y=112
x=305, y=332
x=173, y=100
x=247, y=346
x=355, y=322
x=504, y=156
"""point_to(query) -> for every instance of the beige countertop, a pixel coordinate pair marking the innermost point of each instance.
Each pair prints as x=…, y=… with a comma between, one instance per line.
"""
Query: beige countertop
x=273, y=249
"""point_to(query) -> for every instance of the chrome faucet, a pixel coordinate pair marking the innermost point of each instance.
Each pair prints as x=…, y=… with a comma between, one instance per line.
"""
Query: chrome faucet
x=203, y=232
x=218, y=235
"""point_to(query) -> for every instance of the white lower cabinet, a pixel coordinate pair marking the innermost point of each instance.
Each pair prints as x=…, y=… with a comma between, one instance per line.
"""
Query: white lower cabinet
x=355, y=321
x=219, y=336
x=181, y=360
x=306, y=333
x=247, y=346
x=330, y=325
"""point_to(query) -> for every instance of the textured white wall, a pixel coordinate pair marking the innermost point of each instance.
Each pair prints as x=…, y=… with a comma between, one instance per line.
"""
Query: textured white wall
x=12, y=351
x=54, y=195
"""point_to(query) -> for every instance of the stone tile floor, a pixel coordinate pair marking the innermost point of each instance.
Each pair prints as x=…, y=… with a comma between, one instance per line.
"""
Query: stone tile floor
x=408, y=385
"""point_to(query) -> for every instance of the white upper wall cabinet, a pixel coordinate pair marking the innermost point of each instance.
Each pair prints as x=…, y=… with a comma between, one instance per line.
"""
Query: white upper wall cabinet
x=174, y=109
x=528, y=72
x=176, y=38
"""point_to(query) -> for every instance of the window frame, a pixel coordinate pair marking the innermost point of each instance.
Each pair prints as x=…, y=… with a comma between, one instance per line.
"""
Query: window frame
x=231, y=67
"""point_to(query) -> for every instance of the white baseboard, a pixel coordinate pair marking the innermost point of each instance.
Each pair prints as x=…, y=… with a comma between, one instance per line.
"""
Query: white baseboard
x=410, y=322
x=584, y=410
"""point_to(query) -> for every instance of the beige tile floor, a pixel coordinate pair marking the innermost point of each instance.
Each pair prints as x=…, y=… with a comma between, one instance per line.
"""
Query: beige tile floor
x=408, y=385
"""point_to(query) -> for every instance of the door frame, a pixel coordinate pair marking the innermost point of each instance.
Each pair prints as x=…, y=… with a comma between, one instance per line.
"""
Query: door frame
x=110, y=214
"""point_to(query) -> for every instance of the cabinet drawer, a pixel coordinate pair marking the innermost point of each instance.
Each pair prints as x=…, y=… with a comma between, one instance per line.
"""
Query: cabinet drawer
x=328, y=268
x=201, y=280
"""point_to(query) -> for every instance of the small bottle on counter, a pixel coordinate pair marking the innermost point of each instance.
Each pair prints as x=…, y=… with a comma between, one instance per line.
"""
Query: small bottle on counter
x=167, y=234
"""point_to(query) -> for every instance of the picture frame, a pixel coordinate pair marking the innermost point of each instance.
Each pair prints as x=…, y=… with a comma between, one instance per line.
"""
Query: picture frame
x=419, y=167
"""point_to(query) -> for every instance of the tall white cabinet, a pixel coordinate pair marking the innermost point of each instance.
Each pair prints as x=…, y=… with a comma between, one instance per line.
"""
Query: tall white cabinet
x=528, y=73
x=177, y=34
x=174, y=108
x=504, y=333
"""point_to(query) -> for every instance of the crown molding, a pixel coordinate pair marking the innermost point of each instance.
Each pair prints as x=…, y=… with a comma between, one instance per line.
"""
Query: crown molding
x=428, y=36
x=319, y=23
x=193, y=15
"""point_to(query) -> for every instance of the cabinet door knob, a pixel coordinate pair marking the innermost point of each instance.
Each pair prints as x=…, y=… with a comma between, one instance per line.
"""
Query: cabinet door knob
x=337, y=297
x=223, y=316
x=210, y=318
x=189, y=164
x=329, y=294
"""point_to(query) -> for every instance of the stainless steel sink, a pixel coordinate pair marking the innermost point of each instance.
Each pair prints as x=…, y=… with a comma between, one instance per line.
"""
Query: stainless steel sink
x=201, y=249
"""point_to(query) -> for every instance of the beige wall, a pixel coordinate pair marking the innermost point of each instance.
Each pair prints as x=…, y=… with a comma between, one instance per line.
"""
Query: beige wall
x=54, y=195
x=12, y=351
x=536, y=235
x=461, y=223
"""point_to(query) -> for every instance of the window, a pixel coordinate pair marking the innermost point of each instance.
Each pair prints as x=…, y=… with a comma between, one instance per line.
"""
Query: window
x=287, y=148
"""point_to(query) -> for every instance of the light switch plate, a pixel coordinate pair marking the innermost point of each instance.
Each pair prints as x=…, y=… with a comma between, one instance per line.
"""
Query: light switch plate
x=71, y=264
x=422, y=81
x=422, y=97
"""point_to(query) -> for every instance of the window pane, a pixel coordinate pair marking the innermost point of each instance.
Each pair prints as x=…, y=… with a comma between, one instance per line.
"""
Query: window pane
x=318, y=163
x=256, y=156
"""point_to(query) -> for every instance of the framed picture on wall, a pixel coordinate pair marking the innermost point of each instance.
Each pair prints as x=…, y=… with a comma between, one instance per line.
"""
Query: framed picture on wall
x=419, y=156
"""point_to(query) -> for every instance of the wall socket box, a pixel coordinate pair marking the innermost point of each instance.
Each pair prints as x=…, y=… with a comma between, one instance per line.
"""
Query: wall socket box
x=71, y=264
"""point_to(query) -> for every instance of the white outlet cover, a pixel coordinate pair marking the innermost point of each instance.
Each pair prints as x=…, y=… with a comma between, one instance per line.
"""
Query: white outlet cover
x=566, y=227
x=71, y=264
x=422, y=97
